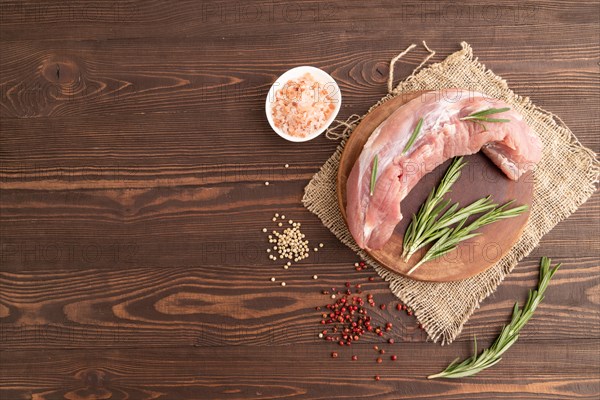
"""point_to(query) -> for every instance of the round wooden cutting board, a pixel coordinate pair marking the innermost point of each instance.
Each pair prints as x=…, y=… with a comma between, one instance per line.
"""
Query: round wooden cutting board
x=480, y=178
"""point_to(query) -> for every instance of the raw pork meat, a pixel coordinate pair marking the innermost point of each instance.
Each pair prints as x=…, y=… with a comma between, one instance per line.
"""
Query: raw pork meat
x=512, y=146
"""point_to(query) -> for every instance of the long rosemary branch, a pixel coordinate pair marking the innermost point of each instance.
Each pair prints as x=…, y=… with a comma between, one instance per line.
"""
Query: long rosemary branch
x=509, y=334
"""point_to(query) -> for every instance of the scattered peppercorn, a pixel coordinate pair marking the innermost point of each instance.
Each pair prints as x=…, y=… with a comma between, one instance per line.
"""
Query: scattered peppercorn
x=334, y=354
x=347, y=319
x=377, y=378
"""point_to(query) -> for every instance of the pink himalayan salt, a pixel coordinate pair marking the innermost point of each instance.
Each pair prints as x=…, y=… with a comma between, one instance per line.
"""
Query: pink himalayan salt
x=302, y=107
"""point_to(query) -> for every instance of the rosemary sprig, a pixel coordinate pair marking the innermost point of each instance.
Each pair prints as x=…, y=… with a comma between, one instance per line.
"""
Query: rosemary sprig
x=452, y=237
x=413, y=136
x=509, y=334
x=480, y=117
x=374, y=174
x=422, y=227
x=438, y=228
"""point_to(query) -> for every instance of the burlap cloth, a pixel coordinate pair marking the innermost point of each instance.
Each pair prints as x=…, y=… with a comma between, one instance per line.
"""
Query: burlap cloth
x=565, y=178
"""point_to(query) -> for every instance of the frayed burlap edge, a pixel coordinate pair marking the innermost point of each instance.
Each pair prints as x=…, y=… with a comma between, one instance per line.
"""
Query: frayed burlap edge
x=565, y=178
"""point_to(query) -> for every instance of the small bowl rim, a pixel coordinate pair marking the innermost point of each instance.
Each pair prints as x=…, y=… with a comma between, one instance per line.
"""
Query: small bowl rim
x=286, y=76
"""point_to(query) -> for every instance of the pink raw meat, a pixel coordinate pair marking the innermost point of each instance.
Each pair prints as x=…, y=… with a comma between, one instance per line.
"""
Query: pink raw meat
x=512, y=146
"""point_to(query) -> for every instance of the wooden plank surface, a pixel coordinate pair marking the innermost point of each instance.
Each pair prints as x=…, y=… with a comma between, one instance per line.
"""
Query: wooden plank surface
x=133, y=156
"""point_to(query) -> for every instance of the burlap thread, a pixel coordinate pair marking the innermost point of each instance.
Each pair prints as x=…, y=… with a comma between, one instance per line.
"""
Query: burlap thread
x=565, y=178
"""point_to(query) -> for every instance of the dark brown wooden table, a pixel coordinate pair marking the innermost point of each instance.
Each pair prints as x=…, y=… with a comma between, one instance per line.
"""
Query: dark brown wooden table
x=134, y=151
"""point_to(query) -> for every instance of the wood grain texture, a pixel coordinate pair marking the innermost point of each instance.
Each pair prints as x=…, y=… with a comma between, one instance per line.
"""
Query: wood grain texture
x=133, y=156
x=234, y=305
x=301, y=372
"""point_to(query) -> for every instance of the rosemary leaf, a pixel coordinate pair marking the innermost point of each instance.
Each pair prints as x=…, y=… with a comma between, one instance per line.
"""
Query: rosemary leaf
x=489, y=111
x=480, y=117
x=509, y=334
x=493, y=119
x=374, y=174
x=414, y=135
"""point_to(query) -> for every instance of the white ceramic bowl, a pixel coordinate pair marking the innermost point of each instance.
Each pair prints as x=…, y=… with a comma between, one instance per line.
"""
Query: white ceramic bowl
x=324, y=79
